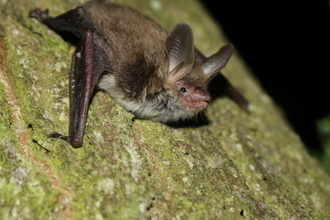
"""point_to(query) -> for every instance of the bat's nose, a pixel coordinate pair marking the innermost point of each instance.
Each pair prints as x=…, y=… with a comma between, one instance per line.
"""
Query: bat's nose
x=197, y=99
x=202, y=96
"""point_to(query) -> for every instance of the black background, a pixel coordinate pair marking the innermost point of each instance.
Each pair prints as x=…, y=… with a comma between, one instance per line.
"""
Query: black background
x=286, y=44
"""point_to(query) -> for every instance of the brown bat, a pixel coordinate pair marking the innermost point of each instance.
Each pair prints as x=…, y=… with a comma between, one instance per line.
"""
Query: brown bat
x=153, y=74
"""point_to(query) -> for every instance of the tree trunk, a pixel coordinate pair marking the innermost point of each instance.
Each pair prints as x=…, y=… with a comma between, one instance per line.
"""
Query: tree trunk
x=238, y=165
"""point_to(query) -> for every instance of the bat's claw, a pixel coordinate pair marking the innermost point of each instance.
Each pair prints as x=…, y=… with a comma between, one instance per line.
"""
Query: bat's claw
x=74, y=141
x=39, y=15
x=59, y=136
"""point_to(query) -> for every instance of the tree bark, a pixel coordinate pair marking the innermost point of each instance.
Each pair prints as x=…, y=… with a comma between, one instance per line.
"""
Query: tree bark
x=238, y=165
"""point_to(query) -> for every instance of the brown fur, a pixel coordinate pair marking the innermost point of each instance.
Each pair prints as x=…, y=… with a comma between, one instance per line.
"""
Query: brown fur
x=138, y=52
x=152, y=73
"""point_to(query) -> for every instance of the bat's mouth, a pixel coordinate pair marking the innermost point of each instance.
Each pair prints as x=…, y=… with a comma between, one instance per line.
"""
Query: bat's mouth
x=202, y=104
x=199, y=104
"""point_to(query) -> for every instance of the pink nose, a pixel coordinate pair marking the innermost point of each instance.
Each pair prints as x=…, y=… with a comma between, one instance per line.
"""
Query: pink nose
x=200, y=96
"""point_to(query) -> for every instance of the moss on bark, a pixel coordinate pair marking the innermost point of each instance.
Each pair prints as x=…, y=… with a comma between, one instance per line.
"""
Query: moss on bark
x=241, y=165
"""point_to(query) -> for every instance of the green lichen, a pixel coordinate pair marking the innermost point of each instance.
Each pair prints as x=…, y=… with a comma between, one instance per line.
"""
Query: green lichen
x=25, y=190
x=4, y=116
x=240, y=165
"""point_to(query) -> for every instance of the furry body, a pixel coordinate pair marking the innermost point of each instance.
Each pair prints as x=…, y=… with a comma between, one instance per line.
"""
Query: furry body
x=154, y=74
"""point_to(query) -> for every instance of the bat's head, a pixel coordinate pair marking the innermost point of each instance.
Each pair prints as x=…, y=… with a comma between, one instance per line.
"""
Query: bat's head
x=186, y=78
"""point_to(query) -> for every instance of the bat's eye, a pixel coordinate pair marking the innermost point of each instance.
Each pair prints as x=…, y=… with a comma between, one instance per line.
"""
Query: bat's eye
x=183, y=90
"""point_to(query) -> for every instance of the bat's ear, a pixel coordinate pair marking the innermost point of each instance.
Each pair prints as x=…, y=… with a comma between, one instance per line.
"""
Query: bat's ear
x=217, y=61
x=180, y=51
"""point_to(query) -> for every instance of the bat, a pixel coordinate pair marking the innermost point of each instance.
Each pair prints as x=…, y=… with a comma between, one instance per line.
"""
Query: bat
x=154, y=74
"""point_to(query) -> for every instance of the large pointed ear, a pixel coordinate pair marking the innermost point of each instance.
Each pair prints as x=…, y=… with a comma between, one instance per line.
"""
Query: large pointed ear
x=217, y=61
x=180, y=51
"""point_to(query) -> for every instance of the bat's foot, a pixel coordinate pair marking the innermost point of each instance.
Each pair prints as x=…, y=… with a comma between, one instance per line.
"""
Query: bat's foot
x=74, y=141
x=39, y=15
x=59, y=136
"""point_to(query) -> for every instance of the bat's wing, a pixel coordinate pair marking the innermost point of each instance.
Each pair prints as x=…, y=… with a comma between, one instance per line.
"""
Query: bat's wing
x=91, y=58
x=69, y=25
x=89, y=61
x=229, y=90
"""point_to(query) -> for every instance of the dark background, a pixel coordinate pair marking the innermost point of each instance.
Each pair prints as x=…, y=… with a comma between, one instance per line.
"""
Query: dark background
x=286, y=44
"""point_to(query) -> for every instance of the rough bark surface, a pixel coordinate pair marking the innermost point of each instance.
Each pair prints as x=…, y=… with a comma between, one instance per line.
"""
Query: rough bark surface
x=242, y=165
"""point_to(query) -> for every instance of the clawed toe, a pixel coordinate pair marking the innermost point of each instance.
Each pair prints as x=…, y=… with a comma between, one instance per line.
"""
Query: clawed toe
x=39, y=14
x=58, y=135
